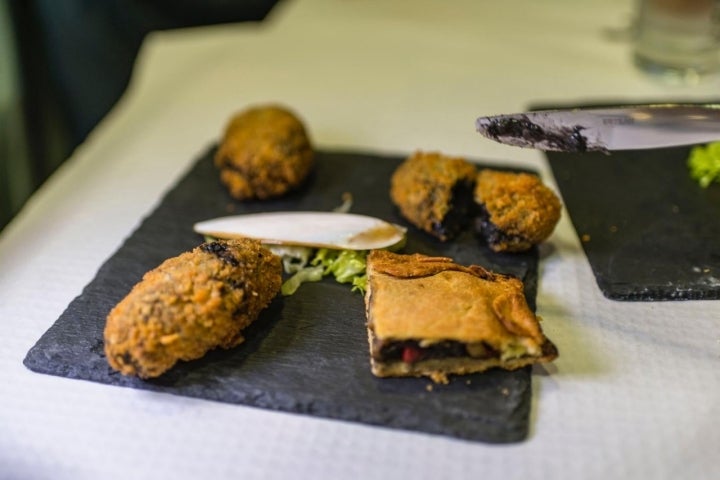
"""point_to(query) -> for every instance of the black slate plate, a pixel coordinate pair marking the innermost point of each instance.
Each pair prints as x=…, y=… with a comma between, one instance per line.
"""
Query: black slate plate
x=649, y=231
x=306, y=353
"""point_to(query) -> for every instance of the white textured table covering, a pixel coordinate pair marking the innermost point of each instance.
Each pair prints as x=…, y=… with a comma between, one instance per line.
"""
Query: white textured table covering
x=636, y=390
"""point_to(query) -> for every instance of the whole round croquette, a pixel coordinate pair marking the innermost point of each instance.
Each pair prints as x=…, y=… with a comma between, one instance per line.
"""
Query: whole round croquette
x=191, y=304
x=517, y=210
x=265, y=152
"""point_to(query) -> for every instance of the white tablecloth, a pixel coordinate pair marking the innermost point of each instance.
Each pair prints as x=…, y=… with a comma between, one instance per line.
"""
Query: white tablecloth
x=636, y=390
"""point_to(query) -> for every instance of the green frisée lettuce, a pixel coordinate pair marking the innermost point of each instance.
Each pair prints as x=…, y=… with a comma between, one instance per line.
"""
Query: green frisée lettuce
x=312, y=265
x=343, y=264
x=347, y=266
x=294, y=258
x=307, y=274
x=704, y=163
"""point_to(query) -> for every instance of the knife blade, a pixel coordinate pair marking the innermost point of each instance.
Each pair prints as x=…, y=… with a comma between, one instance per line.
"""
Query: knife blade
x=606, y=129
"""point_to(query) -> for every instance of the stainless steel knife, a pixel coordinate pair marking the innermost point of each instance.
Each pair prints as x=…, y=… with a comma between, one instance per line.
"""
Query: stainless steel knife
x=606, y=129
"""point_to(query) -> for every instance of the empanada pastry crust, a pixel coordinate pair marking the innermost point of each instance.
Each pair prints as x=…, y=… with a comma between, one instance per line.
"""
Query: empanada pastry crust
x=430, y=316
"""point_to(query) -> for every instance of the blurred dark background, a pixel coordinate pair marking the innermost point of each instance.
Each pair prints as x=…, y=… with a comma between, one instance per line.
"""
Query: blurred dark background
x=65, y=63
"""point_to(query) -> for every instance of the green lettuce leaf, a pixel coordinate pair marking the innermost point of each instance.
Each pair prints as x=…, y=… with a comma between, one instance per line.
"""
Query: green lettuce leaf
x=346, y=266
x=704, y=163
x=307, y=274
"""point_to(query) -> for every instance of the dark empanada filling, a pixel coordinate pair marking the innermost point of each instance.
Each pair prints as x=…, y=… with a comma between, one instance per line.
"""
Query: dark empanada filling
x=461, y=209
x=492, y=234
x=410, y=351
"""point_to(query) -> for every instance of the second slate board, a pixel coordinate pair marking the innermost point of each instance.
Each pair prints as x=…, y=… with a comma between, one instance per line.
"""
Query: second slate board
x=650, y=232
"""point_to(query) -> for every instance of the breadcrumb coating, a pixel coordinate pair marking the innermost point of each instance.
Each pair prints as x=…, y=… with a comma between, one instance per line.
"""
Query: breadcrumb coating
x=520, y=210
x=189, y=305
x=430, y=189
x=265, y=153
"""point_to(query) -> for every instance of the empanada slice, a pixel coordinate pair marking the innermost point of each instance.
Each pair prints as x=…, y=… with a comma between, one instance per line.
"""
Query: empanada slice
x=429, y=316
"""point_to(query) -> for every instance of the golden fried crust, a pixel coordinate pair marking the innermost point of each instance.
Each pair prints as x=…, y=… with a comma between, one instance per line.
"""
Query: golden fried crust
x=265, y=153
x=519, y=206
x=190, y=304
x=432, y=299
x=422, y=187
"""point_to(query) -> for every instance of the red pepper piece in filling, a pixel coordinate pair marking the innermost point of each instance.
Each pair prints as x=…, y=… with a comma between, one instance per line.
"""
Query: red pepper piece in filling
x=411, y=354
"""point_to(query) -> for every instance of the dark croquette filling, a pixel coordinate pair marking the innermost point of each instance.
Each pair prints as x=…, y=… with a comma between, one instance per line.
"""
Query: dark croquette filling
x=491, y=232
x=221, y=251
x=461, y=209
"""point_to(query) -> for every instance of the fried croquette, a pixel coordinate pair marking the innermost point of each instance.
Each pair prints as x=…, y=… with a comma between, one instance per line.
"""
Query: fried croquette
x=191, y=304
x=516, y=210
x=434, y=192
x=265, y=152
